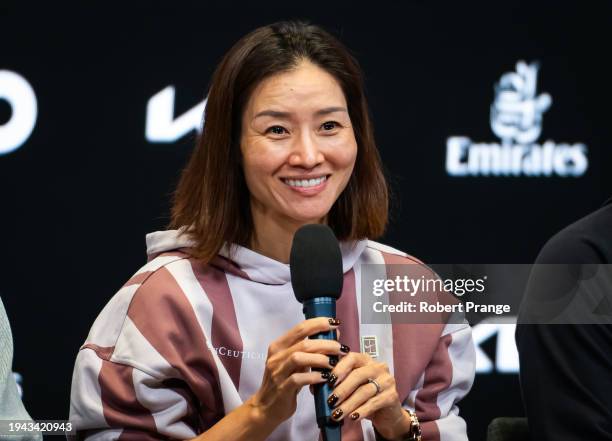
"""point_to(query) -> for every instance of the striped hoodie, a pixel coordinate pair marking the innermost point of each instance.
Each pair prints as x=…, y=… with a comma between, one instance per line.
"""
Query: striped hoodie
x=181, y=344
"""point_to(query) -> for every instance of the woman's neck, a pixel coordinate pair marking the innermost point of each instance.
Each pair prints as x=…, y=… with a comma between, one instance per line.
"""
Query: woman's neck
x=273, y=237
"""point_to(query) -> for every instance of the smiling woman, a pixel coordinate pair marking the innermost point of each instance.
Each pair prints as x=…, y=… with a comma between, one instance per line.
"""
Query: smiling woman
x=206, y=340
x=289, y=100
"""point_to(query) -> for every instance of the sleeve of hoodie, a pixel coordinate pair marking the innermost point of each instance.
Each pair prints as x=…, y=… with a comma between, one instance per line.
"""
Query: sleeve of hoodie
x=145, y=371
x=447, y=378
x=442, y=356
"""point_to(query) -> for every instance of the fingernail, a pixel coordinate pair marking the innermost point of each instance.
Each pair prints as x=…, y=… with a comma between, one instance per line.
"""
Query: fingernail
x=333, y=360
x=334, y=321
x=345, y=349
x=333, y=399
x=336, y=414
x=332, y=379
x=325, y=374
x=354, y=415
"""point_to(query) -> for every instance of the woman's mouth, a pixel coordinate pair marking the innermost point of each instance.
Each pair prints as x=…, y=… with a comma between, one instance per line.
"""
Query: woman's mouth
x=307, y=186
x=305, y=183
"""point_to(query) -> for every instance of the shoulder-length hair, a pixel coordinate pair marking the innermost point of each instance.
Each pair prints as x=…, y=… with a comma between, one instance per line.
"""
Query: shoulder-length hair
x=212, y=198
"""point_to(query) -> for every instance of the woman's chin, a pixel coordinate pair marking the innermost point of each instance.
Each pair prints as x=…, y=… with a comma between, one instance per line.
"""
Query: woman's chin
x=308, y=217
x=305, y=212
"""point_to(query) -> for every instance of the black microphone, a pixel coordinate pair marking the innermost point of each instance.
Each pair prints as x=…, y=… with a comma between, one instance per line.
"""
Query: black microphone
x=316, y=276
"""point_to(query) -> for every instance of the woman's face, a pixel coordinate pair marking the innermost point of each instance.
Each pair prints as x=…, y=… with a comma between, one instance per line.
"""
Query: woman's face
x=298, y=146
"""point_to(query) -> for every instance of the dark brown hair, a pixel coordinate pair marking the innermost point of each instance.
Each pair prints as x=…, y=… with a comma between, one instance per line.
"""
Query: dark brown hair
x=212, y=197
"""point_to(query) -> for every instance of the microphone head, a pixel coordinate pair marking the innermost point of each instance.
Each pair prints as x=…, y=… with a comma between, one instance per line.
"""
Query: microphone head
x=315, y=263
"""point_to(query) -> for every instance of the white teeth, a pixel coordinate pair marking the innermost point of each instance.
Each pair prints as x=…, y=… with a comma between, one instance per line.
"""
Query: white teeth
x=305, y=182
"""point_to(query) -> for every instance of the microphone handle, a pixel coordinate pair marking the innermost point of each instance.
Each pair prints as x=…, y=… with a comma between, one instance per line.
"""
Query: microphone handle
x=323, y=307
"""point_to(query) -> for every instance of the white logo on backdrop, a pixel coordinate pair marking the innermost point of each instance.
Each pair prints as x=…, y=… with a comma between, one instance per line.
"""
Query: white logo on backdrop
x=161, y=126
x=516, y=112
x=506, y=359
x=516, y=118
x=20, y=96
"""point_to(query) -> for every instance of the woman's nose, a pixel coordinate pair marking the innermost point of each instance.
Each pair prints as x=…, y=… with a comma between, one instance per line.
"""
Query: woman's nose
x=305, y=152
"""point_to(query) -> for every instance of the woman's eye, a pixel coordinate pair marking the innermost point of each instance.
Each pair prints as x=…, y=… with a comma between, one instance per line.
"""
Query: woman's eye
x=277, y=130
x=329, y=125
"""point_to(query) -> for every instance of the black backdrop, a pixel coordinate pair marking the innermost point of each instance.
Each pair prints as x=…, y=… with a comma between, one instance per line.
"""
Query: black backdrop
x=79, y=195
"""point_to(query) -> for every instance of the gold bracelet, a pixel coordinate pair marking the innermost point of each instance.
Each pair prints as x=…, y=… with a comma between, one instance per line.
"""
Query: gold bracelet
x=415, y=427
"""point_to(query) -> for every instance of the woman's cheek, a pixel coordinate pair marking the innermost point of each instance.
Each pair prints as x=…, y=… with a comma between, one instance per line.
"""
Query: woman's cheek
x=262, y=156
x=339, y=139
x=342, y=149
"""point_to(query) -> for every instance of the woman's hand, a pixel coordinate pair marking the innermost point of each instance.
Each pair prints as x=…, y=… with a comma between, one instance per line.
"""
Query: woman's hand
x=357, y=398
x=288, y=365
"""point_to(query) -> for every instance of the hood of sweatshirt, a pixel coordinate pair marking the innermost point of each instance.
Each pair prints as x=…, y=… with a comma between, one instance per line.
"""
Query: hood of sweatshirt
x=251, y=265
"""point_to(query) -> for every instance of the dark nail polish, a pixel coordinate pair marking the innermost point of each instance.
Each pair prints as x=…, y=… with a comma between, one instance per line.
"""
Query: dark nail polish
x=332, y=379
x=325, y=374
x=334, y=321
x=336, y=414
x=333, y=399
x=333, y=360
x=354, y=415
x=345, y=349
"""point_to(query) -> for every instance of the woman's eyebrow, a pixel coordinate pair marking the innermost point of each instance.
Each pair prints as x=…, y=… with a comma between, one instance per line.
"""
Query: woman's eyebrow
x=273, y=113
x=286, y=115
x=328, y=110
